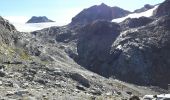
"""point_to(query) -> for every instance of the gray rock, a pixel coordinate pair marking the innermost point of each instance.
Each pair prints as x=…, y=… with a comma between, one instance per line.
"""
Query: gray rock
x=2, y=74
x=81, y=79
x=80, y=88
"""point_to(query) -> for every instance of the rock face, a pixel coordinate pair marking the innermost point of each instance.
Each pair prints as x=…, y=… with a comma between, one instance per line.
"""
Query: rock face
x=7, y=31
x=101, y=12
x=39, y=19
x=138, y=55
x=145, y=8
x=94, y=44
x=163, y=9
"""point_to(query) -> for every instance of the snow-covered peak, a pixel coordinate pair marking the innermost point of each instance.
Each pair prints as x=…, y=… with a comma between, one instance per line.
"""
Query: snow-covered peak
x=147, y=13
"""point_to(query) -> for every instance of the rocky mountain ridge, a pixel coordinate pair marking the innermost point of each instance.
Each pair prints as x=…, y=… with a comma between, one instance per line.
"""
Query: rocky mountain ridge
x=100, y=12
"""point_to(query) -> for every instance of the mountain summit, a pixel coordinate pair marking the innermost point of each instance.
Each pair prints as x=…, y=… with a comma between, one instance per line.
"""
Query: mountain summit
x=39, y=19
x=98, y=12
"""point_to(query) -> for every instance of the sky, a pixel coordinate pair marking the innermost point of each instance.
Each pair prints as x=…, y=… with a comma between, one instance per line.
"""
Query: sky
x=60, y=11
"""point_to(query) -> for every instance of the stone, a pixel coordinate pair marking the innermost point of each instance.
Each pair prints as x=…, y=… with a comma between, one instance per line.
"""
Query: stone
x=9, y=93
x=8, y=83
x=80, y=88
x=2, y=74
x=134, y=98
x=1, y=83
x=21, y=92
x=80, y=79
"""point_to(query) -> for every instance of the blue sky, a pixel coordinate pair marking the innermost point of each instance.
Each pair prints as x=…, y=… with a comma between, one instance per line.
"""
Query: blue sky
x=62, y=10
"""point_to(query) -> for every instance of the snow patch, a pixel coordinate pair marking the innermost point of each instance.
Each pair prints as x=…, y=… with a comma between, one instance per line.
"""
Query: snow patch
x=147, y=13
x=119, y=47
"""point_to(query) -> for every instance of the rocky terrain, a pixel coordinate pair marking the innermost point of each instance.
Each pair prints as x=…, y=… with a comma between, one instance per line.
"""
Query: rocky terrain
x=34, y=66
x=39, y=19
x=98, y=60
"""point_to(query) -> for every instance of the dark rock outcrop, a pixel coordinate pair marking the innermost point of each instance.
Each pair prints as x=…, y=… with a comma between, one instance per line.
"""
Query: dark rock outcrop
x=94, y=44
x=135, y=22
x=6, y=31
x=163, y=9
x=101, y=12
x=4, y=23
x=39, y=19
x=143, y=56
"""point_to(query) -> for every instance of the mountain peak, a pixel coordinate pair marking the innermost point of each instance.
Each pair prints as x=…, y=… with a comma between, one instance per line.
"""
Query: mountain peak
x=98, y=12
x=39, y=19
x=103, y=4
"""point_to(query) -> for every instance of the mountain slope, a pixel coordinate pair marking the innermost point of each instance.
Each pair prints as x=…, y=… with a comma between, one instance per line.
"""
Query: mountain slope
x=52, y=63
x=35, y=67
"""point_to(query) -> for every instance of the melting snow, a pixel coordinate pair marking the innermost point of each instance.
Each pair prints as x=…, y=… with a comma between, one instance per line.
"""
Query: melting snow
x=147, y=13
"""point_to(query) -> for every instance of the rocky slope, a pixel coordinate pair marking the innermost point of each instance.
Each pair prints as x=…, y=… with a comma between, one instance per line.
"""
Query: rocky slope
x=52, y=63
x=39, y=19
x=37, y=66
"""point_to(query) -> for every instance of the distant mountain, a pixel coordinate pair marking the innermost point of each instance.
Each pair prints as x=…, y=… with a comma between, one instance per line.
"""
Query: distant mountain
x=98, y=12
x=39, y=19
x=145, y=8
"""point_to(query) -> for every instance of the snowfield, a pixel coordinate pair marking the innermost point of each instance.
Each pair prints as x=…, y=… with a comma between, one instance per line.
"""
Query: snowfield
x=147, y=13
